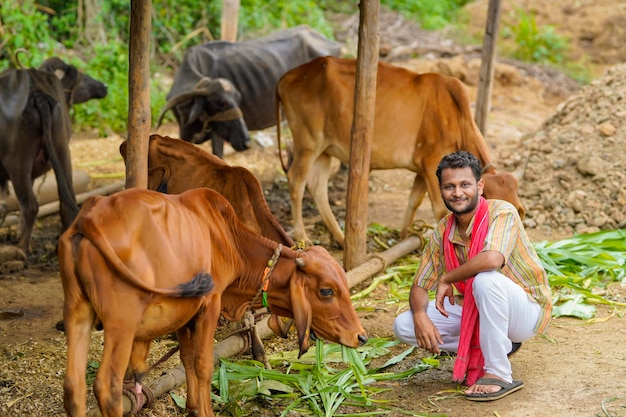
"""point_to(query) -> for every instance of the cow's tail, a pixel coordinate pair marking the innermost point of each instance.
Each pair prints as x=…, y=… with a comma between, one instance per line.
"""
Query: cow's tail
x=278, y=120
x=472, y=139
x=201, y=284
x=44, y=105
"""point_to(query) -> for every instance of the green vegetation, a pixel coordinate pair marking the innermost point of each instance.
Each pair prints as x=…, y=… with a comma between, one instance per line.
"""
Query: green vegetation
x=580, y=270
x=319, y=383
x=525, y=40
x=431, y=14
x=534, y=43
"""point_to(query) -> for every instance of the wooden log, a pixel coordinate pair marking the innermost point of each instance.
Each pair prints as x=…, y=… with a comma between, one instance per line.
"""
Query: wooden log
x=45, y=189
x=53, y=207
x=234, y=344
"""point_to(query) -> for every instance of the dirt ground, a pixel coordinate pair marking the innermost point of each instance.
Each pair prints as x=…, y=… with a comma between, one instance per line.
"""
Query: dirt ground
x=578, y=369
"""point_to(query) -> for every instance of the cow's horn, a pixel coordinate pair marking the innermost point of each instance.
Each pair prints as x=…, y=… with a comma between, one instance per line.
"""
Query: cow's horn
x=181, y=98
x=300, y=262
x=519, y=172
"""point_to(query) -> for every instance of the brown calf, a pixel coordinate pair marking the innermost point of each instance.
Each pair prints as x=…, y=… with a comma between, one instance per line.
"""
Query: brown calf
x=175, y=166
x=145, y=264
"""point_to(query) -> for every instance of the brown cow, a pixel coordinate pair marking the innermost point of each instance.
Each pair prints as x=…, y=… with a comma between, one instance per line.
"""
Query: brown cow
x=419, y=118
x=175, y=166
x=146, y=263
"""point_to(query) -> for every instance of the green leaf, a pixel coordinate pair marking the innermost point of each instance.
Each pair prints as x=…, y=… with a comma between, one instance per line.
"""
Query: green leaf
x=575, y=307
x=265, y=387
x=181, y=402
x=398, y=358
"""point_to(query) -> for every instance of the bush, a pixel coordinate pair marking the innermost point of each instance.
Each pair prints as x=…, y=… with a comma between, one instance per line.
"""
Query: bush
x=432, y=14
x=533, y=43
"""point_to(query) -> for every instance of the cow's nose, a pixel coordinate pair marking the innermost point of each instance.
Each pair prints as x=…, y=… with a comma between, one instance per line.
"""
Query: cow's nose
x=362, y=339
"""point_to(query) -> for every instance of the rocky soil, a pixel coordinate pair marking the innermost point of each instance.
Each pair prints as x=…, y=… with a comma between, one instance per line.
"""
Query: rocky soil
x=575, y=179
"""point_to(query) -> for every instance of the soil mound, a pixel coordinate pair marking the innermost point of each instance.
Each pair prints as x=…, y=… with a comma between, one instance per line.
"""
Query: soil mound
x=575, y=178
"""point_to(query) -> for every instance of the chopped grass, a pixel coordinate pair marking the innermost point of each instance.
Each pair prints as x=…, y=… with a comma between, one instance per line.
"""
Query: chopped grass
x=321, y=381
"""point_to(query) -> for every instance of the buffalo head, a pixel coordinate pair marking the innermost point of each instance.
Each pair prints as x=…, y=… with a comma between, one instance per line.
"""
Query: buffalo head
x=210, y=109
x=78, y=86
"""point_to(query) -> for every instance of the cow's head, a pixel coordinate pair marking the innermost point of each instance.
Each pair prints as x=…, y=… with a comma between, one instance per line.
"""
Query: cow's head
x=503, y=186
x=211, y=108
x=159, y=172
x=320, y=299
x=78, y=86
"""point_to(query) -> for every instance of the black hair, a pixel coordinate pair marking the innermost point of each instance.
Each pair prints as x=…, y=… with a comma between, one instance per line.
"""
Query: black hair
x=460, y=159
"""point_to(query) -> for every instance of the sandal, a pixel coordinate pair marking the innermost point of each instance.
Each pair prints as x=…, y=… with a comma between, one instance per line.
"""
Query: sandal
x=490, y=396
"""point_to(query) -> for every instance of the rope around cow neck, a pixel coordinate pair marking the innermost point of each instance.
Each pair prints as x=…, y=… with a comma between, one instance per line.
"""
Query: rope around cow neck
x=223, y=116
x=266, y=278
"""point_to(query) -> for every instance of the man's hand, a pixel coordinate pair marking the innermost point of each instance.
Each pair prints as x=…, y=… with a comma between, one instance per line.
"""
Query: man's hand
x=444, y=289
x=426, y=333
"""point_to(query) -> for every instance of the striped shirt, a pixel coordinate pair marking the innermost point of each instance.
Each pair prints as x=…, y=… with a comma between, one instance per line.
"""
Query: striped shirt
x=507, y=236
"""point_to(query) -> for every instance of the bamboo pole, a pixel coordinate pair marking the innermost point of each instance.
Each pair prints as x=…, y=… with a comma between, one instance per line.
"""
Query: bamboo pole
x=175, y=377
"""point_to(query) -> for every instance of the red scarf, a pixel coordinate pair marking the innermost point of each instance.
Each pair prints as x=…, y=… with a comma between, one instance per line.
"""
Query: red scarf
x=469, y=358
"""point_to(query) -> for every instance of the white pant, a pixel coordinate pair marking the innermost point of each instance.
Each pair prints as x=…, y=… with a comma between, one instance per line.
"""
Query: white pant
x=506, y=313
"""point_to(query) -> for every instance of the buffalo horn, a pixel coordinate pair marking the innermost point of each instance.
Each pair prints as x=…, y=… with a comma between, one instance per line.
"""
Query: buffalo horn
x=181, y=98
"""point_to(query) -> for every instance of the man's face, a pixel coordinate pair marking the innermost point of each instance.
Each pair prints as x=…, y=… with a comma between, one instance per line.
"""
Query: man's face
x=460, y=190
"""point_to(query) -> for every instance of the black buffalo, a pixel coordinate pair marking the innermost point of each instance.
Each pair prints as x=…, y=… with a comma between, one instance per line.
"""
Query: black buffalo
x=219, y=83
x=35, y=132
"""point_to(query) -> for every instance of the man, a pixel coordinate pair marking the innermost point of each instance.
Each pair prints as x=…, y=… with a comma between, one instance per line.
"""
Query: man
x=482, y=250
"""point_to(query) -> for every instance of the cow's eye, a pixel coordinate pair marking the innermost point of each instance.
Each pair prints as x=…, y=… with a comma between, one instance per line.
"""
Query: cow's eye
x=326, y=292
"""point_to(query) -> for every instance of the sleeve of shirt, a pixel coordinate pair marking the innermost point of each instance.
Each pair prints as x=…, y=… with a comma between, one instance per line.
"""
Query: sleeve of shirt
x=503, y=231
x=431, y=266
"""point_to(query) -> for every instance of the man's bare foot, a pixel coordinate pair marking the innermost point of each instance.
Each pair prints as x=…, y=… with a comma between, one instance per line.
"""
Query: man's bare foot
x=484, y=389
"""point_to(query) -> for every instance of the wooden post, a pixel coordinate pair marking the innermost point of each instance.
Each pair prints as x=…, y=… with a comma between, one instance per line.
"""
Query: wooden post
x=139, y=114
x=230, y=18
x=355, y=248
x=485, y=83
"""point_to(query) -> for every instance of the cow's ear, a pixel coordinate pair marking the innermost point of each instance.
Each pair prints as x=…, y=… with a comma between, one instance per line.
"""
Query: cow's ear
x=158, y=178
x=123, y=146
x=301, y=312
